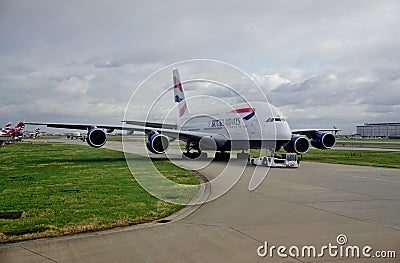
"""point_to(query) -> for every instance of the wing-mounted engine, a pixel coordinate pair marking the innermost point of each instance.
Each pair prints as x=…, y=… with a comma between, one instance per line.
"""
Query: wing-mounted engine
x=298, y=144
x=323, y=140
x=157, y=143
x=96, y=137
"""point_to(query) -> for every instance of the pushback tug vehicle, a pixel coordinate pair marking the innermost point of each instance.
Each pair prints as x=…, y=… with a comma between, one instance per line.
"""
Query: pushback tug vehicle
x=289, y=160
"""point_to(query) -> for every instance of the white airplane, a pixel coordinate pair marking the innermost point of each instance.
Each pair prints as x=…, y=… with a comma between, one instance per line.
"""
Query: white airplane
x=6, y=127
x=5, y=133
x=36, y=133
x=251, y=125
x=76, y=136
x=14, y=133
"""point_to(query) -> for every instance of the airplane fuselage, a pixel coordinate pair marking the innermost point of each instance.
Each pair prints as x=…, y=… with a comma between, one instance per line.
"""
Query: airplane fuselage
x=252, y=125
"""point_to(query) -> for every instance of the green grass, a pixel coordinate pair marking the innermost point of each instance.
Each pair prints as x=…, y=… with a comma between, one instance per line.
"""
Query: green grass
x=371, y=140
x=340, y=143
x=390, y=159
x=114, y=138
x=355, y=157
x=381, y=143
x=64, y=189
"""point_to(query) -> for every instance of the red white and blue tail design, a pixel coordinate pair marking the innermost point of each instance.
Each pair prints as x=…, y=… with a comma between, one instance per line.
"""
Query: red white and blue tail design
x=7, y=127
x=179, y=95
x=36, y=133
x=250, y=112
x=16, y=130
x=20, y=127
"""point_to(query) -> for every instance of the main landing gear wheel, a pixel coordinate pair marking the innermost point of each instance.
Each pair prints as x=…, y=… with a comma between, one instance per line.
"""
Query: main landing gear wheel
x=197, y=154
x=194, y=155
x=222, y=156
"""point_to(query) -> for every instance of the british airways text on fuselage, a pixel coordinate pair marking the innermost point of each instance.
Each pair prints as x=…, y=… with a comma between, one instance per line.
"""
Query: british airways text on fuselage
x=228, y=122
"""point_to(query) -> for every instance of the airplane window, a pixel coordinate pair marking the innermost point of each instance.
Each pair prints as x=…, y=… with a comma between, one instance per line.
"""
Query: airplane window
x=279, y=119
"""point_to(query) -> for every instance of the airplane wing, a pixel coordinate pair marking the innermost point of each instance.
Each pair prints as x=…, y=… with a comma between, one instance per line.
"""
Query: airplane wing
x=135, y=126
x=310, y=132
x=77, y=126
x=152, y=124
x=193, y=136
x=168, y=130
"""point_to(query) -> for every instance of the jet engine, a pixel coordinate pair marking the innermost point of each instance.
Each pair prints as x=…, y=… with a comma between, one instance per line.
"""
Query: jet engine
x=96, y=137
x=297, y=144
x=157, y=143
x=322, y=140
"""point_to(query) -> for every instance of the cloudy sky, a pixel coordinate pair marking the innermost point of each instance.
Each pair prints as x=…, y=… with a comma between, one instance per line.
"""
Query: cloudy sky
x=322, y=63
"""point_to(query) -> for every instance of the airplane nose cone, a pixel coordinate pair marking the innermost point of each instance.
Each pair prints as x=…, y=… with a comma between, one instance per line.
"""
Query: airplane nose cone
x=283, y=131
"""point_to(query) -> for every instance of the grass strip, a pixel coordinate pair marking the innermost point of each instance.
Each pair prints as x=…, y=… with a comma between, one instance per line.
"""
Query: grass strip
x=56, y=189
x=390, y=159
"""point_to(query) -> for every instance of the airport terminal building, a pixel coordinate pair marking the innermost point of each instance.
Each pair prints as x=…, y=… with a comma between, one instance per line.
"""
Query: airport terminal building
x=388, y=129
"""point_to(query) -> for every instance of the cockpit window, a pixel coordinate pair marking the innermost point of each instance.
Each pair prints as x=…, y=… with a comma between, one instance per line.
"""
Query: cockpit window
x=278, y=119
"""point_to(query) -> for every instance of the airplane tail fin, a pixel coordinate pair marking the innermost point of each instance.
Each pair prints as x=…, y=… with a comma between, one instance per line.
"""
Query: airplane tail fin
x=6, y=127
x=179, y=95
x=20, y=127
x=37, y=132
